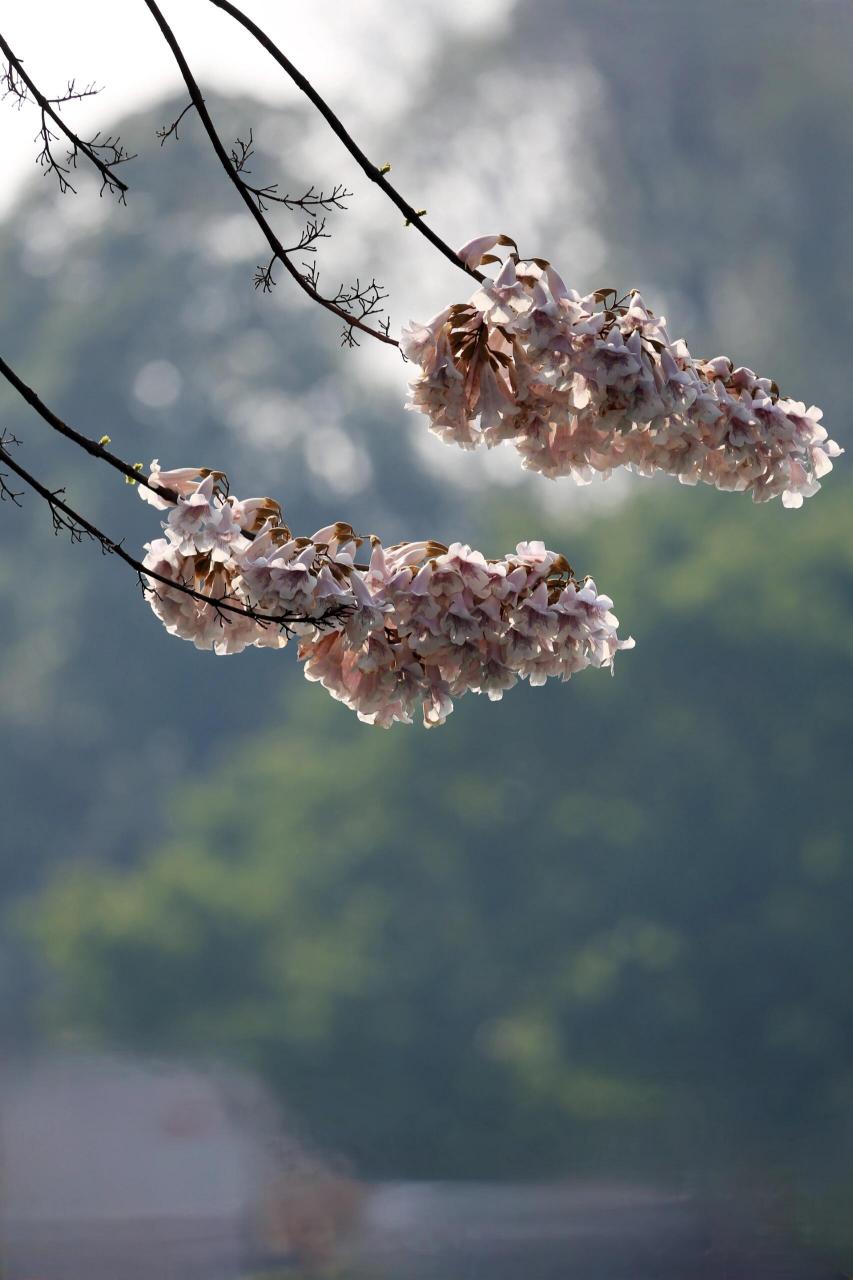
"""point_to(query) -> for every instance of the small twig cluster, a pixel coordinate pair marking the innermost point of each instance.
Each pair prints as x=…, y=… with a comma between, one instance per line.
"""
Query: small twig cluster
x=365, y=302
x=311, y=201
x=7, y=494
x=171, y=131
x=105, y=153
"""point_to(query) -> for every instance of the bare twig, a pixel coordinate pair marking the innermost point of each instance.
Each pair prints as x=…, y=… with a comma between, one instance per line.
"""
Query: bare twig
x=249, y=196
x=6, y=494
x=310, y=202
x=105, y=154
x=414, y=217
x=172, y=130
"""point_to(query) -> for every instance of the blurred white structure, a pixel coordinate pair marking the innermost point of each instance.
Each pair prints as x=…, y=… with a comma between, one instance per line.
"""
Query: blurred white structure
x=111, y=1169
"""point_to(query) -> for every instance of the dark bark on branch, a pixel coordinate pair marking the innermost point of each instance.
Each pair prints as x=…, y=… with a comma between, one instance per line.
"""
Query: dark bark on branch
x=85, y=442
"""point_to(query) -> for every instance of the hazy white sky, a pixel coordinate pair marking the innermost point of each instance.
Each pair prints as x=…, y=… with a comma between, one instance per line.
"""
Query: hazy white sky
x=363, y=56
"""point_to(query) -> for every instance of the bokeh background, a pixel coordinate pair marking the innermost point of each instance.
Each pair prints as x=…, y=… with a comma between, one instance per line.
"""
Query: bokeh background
x=601, y=930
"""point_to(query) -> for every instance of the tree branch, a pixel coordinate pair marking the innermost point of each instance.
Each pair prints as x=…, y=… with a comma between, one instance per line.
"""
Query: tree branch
x=375, y=174
x=112, y=147
x=306, y=283
x=172, y=129
x=93, y=447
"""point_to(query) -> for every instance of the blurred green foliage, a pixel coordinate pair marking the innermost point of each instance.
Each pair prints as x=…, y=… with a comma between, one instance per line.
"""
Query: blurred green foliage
x=610, y=919
x=601, y=927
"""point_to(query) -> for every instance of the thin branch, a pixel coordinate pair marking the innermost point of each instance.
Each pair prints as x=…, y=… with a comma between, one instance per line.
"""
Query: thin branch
x=93, y=447
x=110, y=147
x=67, y=520
x=413, y=216
x=73, y=94
x=309, y=202
x=6, y=494
x=247, y=195
x=172, y=130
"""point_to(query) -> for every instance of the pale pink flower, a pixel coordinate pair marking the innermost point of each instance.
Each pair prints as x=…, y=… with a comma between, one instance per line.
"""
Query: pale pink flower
x=182, y=480
x=582, y=385
x=474, y=251
x=421, y=623
x=201, y=523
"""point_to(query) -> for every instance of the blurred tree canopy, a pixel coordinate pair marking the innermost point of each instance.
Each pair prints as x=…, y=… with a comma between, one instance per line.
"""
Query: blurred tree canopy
x=616, y=913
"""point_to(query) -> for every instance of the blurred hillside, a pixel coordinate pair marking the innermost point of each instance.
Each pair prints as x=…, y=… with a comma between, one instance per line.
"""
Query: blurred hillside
x=602, y=927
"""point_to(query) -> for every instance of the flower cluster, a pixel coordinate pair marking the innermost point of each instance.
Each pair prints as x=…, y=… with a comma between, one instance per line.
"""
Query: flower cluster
x=418, y=623
x=584, y=384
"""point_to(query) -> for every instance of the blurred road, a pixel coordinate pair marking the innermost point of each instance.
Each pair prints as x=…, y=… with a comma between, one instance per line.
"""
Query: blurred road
x=565, y=1232
x=412, y=1231
x=146, y=1249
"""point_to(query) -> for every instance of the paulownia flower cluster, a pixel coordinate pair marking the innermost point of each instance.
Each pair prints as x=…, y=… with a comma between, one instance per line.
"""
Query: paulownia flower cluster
x=418, y=623
x=585, y=384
